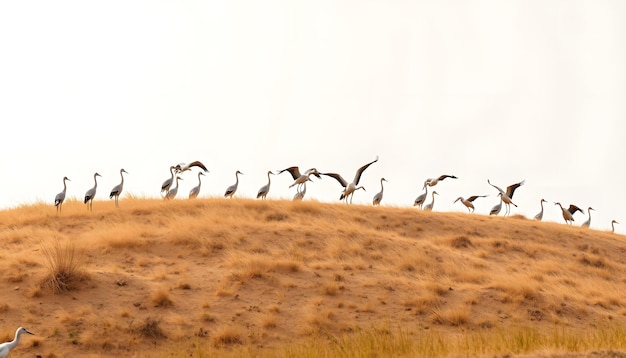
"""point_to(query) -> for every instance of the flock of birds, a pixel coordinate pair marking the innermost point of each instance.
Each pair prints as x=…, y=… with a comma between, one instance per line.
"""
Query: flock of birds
x=169, y=190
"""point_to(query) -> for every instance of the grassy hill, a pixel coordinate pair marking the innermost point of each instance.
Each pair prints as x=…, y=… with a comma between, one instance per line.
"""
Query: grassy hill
x=279, y=278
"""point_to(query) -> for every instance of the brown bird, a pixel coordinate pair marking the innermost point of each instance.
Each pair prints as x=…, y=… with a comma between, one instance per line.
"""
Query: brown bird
x=507, y=196
x=468, y=202
x=568, y=214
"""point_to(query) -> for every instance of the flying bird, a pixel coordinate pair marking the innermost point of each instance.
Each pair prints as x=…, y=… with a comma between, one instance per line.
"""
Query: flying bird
x=469, y=201
x=379, y=196
x=298, y=178
x=165, y=187
x=265, y=189
x=60, y=197
x=588, y=222
x=350, y=188
x=429, y=206
x=182, y=167
x=434, y=181
x=230, y=191
x=539, y=216
x=117, y=190
x=193, y=193
x=171, y=194
x=5, y=348
x=91, y=193
x=507, y=196
x=568, y=214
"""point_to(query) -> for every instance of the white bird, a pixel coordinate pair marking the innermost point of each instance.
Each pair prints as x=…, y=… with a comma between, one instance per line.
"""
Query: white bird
x=429, y=207
x=165, y=187
x=5, y=348
x=379, y=196
x=349, y=189
x=230, y=191
x=539, y=216
x=434, y=181
x=588, y=222
x=298, y=178
x=182, y=167
x=300, y=193
x=91, y=193
x=496, y=209
x=265, y=189
x=171, y=194
x=419, y=201
x=193, y=193
x=613, y=225
x=568, y=214
x=117, y=190
x=469, y=201
x=60, y=197
x=507, y=196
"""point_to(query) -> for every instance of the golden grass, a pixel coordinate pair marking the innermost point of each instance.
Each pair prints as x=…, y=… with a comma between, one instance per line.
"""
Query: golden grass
x=214, y=277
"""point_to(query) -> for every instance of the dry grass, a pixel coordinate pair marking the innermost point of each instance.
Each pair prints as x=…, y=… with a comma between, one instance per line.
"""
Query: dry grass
x=66, y=267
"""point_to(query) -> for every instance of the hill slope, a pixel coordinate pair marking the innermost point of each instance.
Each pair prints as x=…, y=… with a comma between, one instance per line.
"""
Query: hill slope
x=171, y=276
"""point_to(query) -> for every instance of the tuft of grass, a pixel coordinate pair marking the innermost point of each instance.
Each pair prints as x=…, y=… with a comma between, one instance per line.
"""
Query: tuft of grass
x=66, y=267
x=151, y=329
x=161, y=298
x=227, y=336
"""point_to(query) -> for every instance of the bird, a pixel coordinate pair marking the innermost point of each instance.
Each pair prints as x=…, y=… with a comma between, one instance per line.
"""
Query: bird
x=568, y=214
x=171, y=194
x=429, y=206
x=117, y=190
x=165, y=187
x=468, y=202
x=419, y=201
x=496, y=209
x=5, y=348
x=379, y=196
x=434, y=181
x=539, y=216
x=91, y=193
x=588, y=222
x=182, y=167
x=300, y=193
x=262, y=193
x=298, y=178
x=230, y=191
x=193, y=193
x=60, y=197
x=613, y=225
x=349, y=189
x=507, y=196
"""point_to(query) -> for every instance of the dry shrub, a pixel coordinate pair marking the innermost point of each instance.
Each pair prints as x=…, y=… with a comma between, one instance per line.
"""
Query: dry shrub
x=451, y=316
x=226, y=336
x=66, y=267
x=461, y=242
x=161, y=298
x=150, y=329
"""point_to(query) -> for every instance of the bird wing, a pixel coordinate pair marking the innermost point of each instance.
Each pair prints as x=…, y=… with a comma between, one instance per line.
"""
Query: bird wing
x=341, y=180
x=294, y=171
x=573, y=208
x=357, y=177
x=314, y=172
x=497, y=187
x=511, y=188
x=442, y=177
x=198, y=164
x=474, y=197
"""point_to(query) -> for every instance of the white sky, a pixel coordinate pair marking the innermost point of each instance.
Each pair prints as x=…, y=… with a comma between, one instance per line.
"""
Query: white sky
x=500, y=90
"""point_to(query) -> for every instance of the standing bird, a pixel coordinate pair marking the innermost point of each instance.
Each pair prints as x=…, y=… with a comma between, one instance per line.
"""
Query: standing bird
x=167, y=184
x=262, y=193
x=60, y=197
x=419, y=201
x=193, y=193
x=183, y=167
x=496, y=209
x=230, y=191
x=349, y=189
x=507, y=196
x=171, y=194
x=568, y=214
x=5, y=348
x=300, y=193
x=117, y=190
x=539, y=216
x=588, y=222
x=379, y=197
x=434, y=181
x=91, y=193
x=613, y=225
x=429, y=207
x=468, y=202
x=298, y=178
